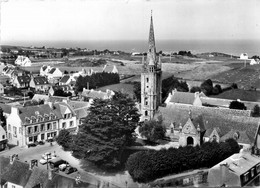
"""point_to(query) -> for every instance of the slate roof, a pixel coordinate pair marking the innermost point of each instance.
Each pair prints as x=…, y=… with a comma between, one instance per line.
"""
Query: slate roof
x=64, y=79
x=29, y=112
x=243, y=137
x=94, y=94
x=225, y=123
x=23, y=79
x=6, y=108
x=52, y=71
x=38, y=176
x=44, y=67
x=183, y=97
x=40, y=80
x=39, y=97
x=62, y=106
x=17, y=173
x=80, y=108
x=57, y=99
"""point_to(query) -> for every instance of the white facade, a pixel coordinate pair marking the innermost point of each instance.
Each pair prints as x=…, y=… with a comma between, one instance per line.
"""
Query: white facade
x=23, y=61
x=244, y=56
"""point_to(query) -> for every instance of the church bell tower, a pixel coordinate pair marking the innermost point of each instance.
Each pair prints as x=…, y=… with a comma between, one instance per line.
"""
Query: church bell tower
x=151, y=79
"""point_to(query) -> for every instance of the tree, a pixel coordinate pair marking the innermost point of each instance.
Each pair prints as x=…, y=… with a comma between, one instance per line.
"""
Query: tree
x=207, y=87
x=2, y=118
x=66, y=72
x=60, y=92
x=137, y=91
x=153, y=130
x=256, y=111
x=237, y=105
x=64, y=139
x=195, y=89
x=108, y=129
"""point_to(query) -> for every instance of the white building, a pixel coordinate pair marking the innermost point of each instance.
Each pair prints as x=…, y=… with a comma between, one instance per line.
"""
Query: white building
x=244, y=56
x=23, y=61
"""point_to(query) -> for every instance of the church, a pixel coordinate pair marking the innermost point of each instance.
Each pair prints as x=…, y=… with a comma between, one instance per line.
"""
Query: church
x=188, y=124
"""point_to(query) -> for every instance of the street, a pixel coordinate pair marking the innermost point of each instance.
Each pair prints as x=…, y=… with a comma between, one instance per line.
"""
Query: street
x=26, y=154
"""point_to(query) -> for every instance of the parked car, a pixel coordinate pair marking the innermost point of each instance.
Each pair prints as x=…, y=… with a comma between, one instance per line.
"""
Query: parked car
x=47, y=155
x=70, y=170
x=50, y=139
x=63, y=167
x=43, y=161
x=55, y=162
x=31, y=145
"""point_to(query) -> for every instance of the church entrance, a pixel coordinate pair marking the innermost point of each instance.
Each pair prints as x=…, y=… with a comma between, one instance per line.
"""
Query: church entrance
x=190, y=141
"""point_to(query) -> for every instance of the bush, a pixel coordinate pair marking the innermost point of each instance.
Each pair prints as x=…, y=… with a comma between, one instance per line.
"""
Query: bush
x=146, y=166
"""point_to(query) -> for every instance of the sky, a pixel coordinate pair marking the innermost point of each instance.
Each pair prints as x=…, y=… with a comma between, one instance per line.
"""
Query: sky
x=84, y=20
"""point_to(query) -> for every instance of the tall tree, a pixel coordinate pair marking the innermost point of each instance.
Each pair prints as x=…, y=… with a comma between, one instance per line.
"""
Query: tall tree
x=108, y=129
x=256, y=111
x=64, y=139
x=2, y=119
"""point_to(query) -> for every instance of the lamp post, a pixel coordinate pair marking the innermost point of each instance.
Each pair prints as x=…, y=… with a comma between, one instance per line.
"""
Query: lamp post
x=48, y=154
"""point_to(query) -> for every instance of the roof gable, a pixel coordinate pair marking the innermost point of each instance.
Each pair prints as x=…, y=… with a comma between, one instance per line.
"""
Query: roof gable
x=189, y=128
x=40, y=80
x=65, y=79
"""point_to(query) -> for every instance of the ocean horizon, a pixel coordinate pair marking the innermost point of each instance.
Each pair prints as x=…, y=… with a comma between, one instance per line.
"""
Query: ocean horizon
x=232, y=47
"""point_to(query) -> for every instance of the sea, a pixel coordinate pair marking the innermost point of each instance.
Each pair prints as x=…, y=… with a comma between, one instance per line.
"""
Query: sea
x=231, y=47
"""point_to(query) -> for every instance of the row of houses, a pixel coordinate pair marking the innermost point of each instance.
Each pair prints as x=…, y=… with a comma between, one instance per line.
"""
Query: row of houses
x=29, y=124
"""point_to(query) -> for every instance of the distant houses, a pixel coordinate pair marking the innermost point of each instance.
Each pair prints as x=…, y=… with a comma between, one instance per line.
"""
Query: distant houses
x=23, y=61
x=244, y=56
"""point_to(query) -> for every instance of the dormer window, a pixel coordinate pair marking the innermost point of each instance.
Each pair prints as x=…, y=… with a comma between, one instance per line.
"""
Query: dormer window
x=27, y=120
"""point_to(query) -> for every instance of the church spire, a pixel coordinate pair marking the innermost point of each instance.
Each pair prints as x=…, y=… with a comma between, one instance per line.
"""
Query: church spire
x=151, y=36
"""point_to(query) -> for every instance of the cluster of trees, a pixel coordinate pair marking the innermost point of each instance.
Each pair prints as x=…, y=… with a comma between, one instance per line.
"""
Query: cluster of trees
x=107, y=132
x=168, y=85
x=12, y=91
x=33, y=103
x=153, y=130
x=96, y=80
x=171, y=83
x=60, y=92
x=148, y=165
x=186, y=53
x=207, y=88
x=256, y=111
x=237, y=105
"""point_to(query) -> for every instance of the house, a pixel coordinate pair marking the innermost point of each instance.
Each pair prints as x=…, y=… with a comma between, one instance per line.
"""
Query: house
x=69, y=118
x=244, y=56
x=93, y=94
x=40, y=97
x=3, y=138
x=65, y=88
x=44, y=70
x=52, y=73
x=67, y=80
x=240, y=170
x=110, y=69
x=176, y=97
x=22, y=81
x=32, y=123
x=40, y=83
x=81, y=109
x=23, y=61
x=253, y=62
x=18, y=174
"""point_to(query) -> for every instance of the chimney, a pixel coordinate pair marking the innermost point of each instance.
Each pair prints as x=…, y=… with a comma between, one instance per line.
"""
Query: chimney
x=196, y=94
x=14, y=110
x=50, y=104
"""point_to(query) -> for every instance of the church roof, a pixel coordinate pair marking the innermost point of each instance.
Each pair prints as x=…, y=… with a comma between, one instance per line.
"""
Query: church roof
x=183, y=97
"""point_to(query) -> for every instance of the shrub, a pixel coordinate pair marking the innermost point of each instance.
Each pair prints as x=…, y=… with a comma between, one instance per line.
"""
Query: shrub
x=146, y=166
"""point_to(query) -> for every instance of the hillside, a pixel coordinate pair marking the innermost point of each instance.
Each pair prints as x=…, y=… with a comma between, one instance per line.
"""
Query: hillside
x=244, y=77
x=241, y=94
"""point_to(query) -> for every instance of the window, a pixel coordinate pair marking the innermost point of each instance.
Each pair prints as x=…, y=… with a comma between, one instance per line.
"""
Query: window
x=9, y=127
x=30, y=139
x=252, y=172
x=29, y=130
x=20, y=130
x=258, y=168
x=64, y=125
x=13, y=186
x=71, y=123
x=15, y=131
x=48, y=126
x=214, y=138
x=246, y=177
x=147, y=80
x=3, y=137
x=146, y=113
x=42, y=136
x=54, y=125
x=36, y=129
x=171, y=130
x=42, y=127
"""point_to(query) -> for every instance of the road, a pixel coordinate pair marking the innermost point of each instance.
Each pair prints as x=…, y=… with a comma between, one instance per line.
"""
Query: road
x=27, y=154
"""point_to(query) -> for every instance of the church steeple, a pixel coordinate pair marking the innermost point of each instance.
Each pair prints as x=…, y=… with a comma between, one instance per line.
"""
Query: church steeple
x=151, y=79
x=151, y=36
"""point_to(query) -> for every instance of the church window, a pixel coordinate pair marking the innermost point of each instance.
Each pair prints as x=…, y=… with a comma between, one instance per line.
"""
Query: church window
x=146, y=113
x=214, y=138
x=147, y=80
